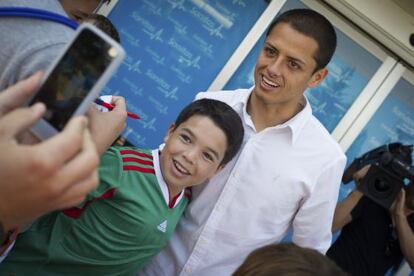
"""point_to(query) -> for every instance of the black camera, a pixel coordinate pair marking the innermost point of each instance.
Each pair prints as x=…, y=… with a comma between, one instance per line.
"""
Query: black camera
x=390, y=168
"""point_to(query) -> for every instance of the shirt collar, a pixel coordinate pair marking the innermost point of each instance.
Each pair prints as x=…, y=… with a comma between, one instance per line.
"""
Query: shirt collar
x=295, y=124
x=242, y=104
x=161, y=182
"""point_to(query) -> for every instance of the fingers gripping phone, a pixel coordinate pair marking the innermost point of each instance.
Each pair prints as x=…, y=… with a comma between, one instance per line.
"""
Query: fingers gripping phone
x=75, y=78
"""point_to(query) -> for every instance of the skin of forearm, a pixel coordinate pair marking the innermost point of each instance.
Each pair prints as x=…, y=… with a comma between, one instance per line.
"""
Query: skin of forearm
x=343, y=210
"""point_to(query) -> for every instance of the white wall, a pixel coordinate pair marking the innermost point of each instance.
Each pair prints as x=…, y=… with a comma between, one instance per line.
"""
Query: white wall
x=384, y=20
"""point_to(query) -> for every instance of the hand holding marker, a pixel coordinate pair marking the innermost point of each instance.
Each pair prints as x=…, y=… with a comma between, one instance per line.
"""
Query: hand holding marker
x=103, y=101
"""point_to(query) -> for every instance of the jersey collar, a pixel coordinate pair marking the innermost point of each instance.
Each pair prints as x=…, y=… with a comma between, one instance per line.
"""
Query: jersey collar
x=171, y=202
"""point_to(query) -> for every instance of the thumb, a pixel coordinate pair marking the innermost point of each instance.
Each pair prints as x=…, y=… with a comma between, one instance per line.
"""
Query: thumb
x=19, y=120
x=402, y=195
x=118, y=102
x=66, y=143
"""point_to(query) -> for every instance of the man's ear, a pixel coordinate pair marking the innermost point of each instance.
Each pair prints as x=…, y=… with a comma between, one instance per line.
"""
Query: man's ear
x=318, y=77
x=169, y=132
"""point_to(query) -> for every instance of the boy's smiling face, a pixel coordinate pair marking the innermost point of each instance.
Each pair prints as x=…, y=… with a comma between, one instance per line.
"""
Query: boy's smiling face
x=193, y=153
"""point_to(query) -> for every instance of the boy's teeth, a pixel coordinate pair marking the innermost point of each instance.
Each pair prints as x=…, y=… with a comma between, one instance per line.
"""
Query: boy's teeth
x=181, y=168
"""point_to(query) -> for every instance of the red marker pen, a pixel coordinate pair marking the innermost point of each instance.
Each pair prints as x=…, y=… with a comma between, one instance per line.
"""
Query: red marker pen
x=110, y=107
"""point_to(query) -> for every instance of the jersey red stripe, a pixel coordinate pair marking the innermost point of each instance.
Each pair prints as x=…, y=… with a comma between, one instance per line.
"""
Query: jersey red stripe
x=137, y=160
x=139, y=169
x=136, y=153
x=188, y=192
x=76, y=212
x=173, y=200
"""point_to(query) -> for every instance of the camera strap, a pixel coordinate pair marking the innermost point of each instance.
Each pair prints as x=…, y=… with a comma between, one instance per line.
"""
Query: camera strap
x=38, y=14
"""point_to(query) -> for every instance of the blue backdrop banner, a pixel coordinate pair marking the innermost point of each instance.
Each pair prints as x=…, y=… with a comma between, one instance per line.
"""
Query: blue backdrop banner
x=175, y=48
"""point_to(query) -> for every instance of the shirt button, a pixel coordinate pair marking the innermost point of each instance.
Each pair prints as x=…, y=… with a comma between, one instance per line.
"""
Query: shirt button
x=188, y=270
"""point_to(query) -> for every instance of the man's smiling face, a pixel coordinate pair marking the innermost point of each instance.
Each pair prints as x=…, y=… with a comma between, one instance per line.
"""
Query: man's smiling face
x=285, y=67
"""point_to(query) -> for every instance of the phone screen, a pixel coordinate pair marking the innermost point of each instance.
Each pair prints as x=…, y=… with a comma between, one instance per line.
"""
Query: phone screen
x=73, y=77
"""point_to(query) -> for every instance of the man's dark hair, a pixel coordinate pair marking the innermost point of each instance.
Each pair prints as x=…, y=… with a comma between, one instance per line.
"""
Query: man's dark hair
x=314, y=25
x=104, y=24
x=287, y=259
x=223, y=117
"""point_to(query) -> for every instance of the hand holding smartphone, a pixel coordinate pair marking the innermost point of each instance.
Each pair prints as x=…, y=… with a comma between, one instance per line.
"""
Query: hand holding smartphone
x=76, y=77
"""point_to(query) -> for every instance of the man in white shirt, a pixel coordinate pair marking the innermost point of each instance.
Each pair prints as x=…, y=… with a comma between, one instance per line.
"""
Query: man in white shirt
x=288, y=172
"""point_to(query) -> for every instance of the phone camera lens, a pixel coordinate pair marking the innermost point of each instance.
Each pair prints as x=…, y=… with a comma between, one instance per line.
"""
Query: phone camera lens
x=112, y=52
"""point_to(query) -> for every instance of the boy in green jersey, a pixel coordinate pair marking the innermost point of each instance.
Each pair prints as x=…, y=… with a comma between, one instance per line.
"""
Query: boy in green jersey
x=142, y=193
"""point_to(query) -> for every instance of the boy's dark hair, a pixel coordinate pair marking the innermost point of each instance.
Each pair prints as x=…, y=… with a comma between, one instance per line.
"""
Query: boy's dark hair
x=104, y=24
x=287, y=259
x=223, y=117
x=314, y=25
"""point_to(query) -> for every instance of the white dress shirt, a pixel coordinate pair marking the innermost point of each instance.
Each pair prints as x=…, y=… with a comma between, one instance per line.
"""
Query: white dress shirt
x=284, y=176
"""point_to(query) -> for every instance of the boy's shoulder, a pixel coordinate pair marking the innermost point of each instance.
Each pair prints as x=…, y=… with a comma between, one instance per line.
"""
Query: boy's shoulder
x=118, y=161
x=134, y=159
x=134, y=151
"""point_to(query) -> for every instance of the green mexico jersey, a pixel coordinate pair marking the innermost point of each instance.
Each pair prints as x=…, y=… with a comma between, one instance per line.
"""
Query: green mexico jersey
x=127, y=220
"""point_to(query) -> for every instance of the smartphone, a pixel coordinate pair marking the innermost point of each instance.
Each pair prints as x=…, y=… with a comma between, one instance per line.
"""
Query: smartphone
x=75, y=78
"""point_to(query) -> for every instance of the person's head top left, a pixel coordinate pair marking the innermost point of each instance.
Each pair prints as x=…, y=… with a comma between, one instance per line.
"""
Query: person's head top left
x=206, y=135
x=104, y=24
x=79, y=9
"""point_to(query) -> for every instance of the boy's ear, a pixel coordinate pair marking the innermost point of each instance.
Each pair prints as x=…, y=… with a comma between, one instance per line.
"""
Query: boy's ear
x=220, y=167
x=169, y=132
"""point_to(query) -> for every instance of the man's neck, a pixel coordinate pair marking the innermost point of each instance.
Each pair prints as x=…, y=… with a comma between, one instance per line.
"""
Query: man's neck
x=264, y=116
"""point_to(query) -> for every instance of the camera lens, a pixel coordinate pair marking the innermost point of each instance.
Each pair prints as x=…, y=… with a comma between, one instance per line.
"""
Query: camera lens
x=381, y=186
